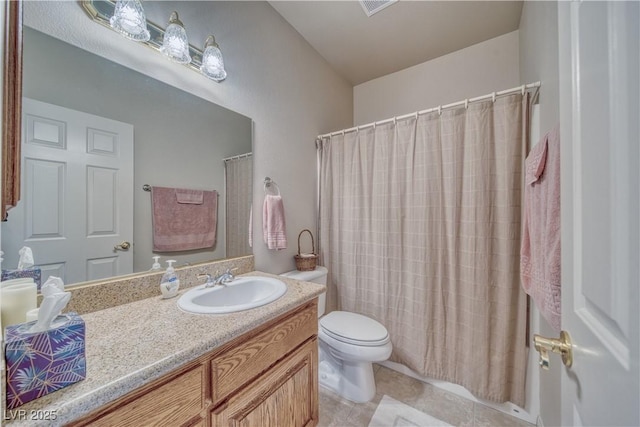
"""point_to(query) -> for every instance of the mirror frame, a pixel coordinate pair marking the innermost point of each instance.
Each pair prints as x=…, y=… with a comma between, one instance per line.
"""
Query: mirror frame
x=11, y=105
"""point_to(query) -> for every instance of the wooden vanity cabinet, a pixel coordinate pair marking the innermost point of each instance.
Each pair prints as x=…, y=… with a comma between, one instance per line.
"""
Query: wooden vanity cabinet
x=267, y=376
x=286, y=395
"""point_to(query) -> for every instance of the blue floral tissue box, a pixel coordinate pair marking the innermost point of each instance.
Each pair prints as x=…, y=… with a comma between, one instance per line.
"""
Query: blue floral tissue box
x=43, y=362
x=33, y=272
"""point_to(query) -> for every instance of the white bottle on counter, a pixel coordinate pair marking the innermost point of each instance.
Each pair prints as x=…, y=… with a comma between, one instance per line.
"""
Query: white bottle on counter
x=169, y=284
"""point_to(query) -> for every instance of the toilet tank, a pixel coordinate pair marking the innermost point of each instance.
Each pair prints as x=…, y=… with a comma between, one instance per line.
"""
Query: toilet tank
x=319, y=275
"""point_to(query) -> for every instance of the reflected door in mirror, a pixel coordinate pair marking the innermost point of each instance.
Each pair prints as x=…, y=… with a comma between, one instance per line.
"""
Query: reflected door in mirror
x=77, y=170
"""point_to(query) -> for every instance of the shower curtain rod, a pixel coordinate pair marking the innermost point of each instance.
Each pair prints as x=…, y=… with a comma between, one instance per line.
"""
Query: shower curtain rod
x=439, y=109
x=240, y=156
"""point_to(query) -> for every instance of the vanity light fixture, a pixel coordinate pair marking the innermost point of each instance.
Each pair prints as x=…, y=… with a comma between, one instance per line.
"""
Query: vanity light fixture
x=129, y=20
x=212, y=62
x=175, y=44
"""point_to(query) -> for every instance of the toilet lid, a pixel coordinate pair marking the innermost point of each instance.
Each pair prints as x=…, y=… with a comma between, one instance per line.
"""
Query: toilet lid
x=354, y=328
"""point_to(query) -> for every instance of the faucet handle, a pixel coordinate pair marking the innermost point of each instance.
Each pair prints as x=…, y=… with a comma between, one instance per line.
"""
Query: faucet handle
x=208, y=276
x=226, y=277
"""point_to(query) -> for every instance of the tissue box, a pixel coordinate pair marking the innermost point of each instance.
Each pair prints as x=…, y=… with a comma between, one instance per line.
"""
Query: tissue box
x=33, y=272
x=43, y=362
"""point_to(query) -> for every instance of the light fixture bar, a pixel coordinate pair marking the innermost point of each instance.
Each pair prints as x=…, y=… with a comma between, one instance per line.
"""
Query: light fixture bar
x=100, y=11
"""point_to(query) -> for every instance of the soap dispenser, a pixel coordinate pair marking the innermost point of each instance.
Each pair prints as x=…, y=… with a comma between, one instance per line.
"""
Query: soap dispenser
x=170, y=283
x=156, y=263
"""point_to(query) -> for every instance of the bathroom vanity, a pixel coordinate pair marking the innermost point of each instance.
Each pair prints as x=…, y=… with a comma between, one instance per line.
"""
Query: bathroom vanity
x=149, y=363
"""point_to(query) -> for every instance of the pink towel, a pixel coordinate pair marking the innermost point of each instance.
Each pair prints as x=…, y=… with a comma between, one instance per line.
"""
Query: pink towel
x=273, y=224
x=540, y=250
x=183, y=219
x=194, y=197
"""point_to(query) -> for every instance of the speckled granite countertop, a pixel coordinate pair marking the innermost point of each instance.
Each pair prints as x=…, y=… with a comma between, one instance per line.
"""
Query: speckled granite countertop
x=132, y=344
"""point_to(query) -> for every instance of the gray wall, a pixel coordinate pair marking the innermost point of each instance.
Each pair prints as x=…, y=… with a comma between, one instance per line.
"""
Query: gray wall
x=539, y=61
x=539, y=56
x=180, y=139
x=476, y=70
x=274, y=76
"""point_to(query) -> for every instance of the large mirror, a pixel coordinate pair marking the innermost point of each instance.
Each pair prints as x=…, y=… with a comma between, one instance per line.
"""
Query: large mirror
x=80, y=189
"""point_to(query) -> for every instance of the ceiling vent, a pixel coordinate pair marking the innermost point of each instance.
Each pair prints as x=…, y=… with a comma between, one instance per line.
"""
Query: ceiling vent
x=374, y=6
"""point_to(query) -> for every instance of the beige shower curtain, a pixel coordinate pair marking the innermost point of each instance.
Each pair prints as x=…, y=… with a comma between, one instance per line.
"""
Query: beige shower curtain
x=238, y=179
x=420, y=229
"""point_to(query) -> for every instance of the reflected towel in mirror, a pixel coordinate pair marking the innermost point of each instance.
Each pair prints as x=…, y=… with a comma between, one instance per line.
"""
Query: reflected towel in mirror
x=183, y=219
x=194, y=197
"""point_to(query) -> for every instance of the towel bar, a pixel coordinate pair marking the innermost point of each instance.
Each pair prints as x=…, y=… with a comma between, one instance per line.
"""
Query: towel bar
x=147, y=187
x=268, y=182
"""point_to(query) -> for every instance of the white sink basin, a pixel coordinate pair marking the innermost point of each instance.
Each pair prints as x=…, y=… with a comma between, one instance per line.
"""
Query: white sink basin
x=241, y=294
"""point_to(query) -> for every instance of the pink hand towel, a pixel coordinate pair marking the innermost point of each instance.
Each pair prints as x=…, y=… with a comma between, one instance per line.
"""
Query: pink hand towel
x=194, y=197
x=273, y=223
x=183, y=219
x=540, y=250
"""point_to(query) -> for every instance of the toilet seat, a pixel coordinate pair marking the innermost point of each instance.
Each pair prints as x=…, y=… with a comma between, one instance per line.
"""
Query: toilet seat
x=353, y=328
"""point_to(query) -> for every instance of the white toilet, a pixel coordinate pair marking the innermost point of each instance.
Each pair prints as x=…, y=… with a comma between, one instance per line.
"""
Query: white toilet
x=349, y=343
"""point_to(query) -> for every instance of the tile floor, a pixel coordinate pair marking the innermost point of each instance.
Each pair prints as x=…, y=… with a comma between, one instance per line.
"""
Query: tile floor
x=448, y=407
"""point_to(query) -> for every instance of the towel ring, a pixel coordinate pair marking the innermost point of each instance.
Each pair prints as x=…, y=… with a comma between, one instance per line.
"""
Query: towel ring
x=268, y=182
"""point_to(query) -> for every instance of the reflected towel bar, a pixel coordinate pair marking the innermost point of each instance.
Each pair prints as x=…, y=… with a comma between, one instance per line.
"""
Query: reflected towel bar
x=147, y=187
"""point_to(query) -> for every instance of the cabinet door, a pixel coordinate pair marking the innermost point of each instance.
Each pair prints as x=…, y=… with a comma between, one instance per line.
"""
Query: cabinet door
x=169, y=403
x=287, y=395
x=247, y=360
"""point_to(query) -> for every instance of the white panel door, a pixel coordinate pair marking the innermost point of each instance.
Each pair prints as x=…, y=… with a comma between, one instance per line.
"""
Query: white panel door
x=600, y=116
x=77, y=194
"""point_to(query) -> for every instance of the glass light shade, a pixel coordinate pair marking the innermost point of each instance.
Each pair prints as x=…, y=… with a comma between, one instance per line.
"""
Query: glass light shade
x=175, y=44
x=212, y=62
x=129, y=20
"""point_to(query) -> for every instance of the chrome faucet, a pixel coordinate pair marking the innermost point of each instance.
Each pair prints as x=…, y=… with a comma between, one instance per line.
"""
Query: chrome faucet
x=224, y=278
x=219, y=279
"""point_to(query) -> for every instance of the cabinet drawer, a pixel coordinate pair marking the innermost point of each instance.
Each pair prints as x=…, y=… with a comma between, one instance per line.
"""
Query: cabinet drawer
x=286, y=395
x=170, y=403
x=248, y=359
